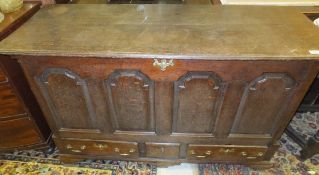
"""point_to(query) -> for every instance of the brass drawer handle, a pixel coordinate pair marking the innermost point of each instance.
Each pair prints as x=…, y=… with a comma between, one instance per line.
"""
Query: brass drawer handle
x=101, y=146
x=227, y=150
x=132, y=150
x=124, y=154
x=260, y=154
x=245, y=154
x=117, y=150
x=163, y=64
x=207, y=153
x=69, y=147
x=200, y=156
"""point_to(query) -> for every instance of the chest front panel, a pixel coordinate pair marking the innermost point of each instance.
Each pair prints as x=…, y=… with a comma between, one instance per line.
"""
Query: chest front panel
x=190, y=102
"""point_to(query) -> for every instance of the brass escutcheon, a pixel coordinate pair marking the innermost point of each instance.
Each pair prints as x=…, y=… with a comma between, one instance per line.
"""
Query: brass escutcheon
x=163, y=64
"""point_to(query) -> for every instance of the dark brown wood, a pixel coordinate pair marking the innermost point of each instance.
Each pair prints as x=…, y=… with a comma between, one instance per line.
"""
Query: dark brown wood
x=3, y=77
x=217, y=96
x=162, y=150
x=18, y=133
x=217, y=152
x=197, y=102
x=202, y=76
x=90, y=147
x=9, y=102
x=22, y=123
x=62, y=1
x=138, y=99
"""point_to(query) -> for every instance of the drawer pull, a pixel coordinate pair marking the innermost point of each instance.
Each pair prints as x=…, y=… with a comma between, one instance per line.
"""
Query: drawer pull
x=132, y=150
x=200, y=156
x=101, y=146
x=117, y=150
x=227, y=150
x=260, y=154
x=192, y=152
x=163, y=64
x=208, y=152
x=244, y=154
x=162, y=149
x=124, y=154
x=69, y=147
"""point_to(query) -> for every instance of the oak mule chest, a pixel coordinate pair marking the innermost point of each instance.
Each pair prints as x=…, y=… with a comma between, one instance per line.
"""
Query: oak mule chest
x=167, y=83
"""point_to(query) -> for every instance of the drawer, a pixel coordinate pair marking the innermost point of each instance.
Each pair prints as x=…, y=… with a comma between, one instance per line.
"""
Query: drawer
x=162, y=150
x=3, y=77
x=109, y=148
x=9, y=102
x=230, y=152
x=18, y=132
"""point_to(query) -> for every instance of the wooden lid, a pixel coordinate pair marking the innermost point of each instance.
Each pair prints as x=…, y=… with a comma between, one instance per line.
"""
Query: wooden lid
x=166, y=31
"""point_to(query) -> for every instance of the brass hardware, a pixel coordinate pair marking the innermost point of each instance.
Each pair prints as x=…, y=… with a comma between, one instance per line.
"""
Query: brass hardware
x=83, y=147
x=68, y=146
x=251, y=157
x=132, y=150
x=192, y=152
x=101, y=146
x=201, y=156
x=244, y=154
x=117, y=150
x=124, y=154
x=208, y=152
x=163, y=64
x=260, y=154
x=227, y=150
x=162, y=149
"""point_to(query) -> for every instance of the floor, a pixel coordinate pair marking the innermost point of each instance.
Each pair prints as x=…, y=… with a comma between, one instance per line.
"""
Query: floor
x=183, y=169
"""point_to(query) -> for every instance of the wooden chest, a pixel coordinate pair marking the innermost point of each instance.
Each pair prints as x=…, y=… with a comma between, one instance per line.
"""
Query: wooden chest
x=167, y=83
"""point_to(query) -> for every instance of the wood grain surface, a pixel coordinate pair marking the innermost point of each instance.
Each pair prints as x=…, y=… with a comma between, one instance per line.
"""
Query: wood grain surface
x=167, y=31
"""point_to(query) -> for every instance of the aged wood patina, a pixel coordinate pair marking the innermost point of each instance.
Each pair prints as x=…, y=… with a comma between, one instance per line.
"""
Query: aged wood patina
x=22, y=124
x=167, y=83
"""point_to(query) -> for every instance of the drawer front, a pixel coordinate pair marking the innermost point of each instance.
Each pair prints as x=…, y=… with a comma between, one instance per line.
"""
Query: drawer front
x=109, y=148
x=162, y=150
x=18, y=132
x=231, y=152
x=3, y=77
x=9, y=102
